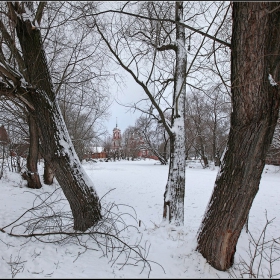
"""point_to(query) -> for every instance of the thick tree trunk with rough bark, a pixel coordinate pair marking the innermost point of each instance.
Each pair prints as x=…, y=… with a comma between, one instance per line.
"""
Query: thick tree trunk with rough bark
x=255, y=99
x=48, y=174
x=32, y=176
x=56, y=144
x=173, y=208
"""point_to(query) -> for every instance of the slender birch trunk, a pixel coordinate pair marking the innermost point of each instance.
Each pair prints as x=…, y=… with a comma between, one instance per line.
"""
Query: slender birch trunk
x=173, y=208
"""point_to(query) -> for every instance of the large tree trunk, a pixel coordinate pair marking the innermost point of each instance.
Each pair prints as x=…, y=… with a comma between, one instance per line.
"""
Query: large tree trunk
x=56, y=144
x=48, y=174
x=173, y=208
x=32, y=176
x=255, y=99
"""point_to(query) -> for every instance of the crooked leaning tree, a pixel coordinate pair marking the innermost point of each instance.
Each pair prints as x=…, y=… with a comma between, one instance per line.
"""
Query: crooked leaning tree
x=255, y=76
x=30, y=82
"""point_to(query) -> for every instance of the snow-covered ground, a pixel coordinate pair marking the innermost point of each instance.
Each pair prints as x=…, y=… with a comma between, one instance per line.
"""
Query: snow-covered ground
x=137, y=188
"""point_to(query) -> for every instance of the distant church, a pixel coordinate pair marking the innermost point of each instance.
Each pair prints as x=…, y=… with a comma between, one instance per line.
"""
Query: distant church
x=116, y=140
x=134, y=147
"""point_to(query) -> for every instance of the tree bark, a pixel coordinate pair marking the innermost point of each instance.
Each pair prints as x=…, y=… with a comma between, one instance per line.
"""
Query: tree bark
x=48, y=174
x=56, y=144
x=174, y=195
x=2, y=163
x=255, y=67
x=32, y=176
x=173, y=208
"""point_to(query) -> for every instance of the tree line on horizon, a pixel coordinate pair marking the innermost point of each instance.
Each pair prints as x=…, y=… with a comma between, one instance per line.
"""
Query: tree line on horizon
x=210, y=72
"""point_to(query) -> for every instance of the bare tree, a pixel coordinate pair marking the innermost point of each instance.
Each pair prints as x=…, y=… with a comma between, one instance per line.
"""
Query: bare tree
x=80, y=86
x=197, y=116
x=106, y=144
x=13, y=118
x=255, y=72
x=273, y=154
x=4, y=141
x=149, y=44
x=132, y=142
x=154, y=138
x=207, y=123
x=218, y=111
x=169, y=40
x=24, y=143
x=32, y=175
x=30, y=81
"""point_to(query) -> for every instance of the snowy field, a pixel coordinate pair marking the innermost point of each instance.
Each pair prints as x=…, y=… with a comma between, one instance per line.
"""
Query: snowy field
x=137, y=188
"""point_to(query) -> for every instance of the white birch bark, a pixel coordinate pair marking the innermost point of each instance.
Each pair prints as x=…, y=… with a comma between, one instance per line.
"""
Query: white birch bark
x=175, y=188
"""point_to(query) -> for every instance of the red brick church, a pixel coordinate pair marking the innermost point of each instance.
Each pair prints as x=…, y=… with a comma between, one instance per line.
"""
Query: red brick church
x=137, y=147
x=116, y=145
x=132, y=147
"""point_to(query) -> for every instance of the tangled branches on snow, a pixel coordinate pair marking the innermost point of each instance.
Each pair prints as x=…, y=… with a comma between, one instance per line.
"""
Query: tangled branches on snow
x=50, y=221
x=264, y=257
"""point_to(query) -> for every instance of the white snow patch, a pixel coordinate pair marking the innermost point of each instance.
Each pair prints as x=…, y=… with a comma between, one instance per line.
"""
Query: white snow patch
x=271, y=80
x=139, y=184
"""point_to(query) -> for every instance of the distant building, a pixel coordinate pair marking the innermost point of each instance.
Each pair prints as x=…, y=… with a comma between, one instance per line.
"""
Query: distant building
x=137, y=147
x=20, y=150
x=116, y=145
x=95, y=152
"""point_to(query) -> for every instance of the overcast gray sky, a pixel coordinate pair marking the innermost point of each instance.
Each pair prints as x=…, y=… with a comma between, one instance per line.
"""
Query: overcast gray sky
x=129, y=93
